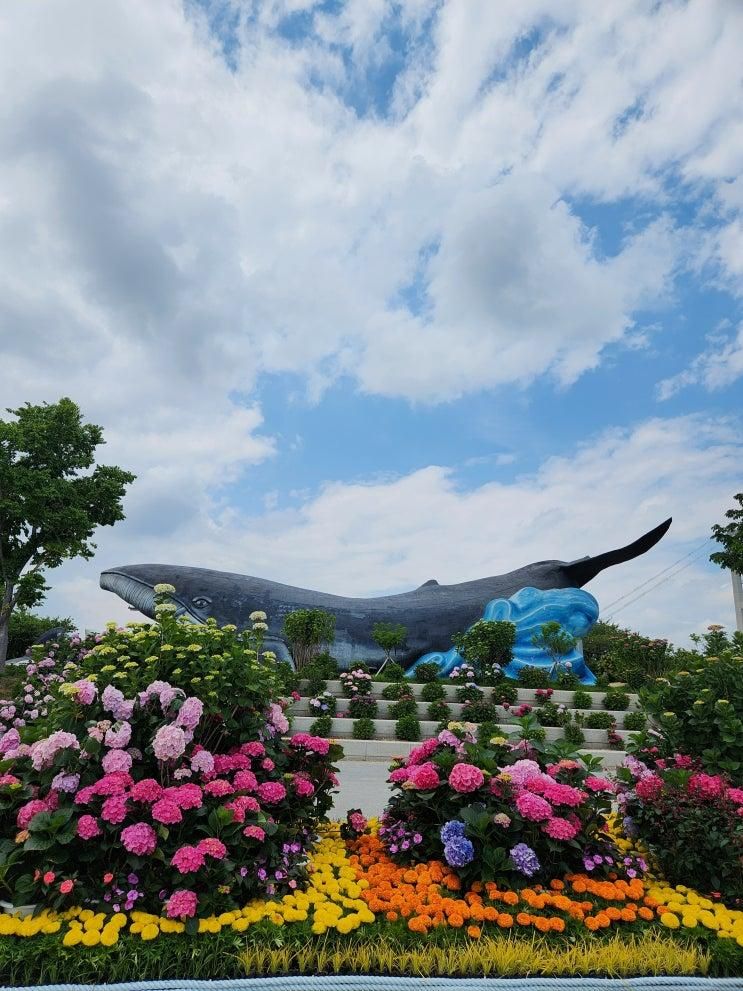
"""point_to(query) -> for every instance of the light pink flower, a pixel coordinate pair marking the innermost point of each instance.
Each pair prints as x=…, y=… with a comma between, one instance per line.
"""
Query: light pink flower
x=116, y=760
x=169, y=743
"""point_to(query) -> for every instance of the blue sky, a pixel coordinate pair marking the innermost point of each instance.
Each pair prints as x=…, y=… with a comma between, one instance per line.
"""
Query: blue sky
x=370, y=291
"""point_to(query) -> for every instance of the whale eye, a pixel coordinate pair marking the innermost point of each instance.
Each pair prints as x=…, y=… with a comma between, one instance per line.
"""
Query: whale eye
x=201, y=601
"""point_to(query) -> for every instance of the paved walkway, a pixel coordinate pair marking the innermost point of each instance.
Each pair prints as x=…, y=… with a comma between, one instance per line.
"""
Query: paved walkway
x=363, y=785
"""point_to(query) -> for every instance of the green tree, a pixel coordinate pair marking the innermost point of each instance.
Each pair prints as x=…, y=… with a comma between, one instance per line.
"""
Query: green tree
x=731, y=538
x=486, y=642
x=390, y=637
x=52, y=498
x=25, y=627
x=555, y=640
x=306, y=631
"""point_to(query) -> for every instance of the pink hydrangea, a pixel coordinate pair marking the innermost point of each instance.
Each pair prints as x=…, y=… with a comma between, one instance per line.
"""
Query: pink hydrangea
x=187, y=859
x=649, y=787
x=706, y=786
x=241, y=805
x=399, y=775
x=254, y=833
x=277, y=719
x=422, y=752
x=202, y=762
x=114, y=809
x=190, y=713
x=424, y=777
x=564, y=765
x=119, y=735
x=166, y=811
x=315, y=744
x=28, y=811
x=88, y=827
x=169, y=743
x=267, y=764
x=85, y=691
x=139, y=838
x=532, y=807
x=466, y=777
x=523, y=771
x=116, y=760
x=115, y=783
x=44, y=751
x=9, y=780
x=114, y=702
x=146, y=790
x=210, y=846
x=560, y=829
x=449, y=739
x=85, y=795
x=255, y=748
x=66, y=782
x=218, y=787
x=271, y=792
x=186, y=796
x=10, y=741
x=735, y=795
x=560, y=794
x=245, y=781
x=598, y=784
x=182, y=904
x=303, y=786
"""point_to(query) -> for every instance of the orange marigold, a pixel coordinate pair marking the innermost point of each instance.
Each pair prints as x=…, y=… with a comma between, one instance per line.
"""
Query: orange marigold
x=474, y=931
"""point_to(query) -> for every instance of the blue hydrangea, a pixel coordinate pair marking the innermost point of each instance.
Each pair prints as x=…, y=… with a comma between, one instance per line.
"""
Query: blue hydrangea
x=459, y=851
x=524, y=859
x=451, y=829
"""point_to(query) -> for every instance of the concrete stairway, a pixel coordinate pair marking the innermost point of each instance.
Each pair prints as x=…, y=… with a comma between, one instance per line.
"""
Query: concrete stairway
x=384, y=746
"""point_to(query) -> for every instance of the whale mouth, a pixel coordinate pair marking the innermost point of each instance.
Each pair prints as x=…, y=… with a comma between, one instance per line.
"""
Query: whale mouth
x=140, y=595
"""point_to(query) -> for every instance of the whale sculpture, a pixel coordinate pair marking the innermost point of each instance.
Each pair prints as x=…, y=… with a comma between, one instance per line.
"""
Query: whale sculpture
x=430, y=613
x=529, y=609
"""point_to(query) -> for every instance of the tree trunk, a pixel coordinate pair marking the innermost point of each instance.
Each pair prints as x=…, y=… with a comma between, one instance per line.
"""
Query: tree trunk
x=5, y=611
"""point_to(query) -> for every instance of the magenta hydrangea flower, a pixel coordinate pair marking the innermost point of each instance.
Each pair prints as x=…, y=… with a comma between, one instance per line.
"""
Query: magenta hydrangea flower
x=88, y=827
x=315, y=744
x=594, y=783
x=218, y=787
x=210, y=846
x=466, y=777
x=303, y=786
x=139, y=838
x=421, y=753
x=560, y=829
x=182, y=904
x=649, y=787
x=423, y=777
x=245, y=781
x=254, y=833
x=271, y=792
x=166, y=812
x=399, y=775
x=169, y=743
x=241, y=805
x=114, y=809
x=253, y=749
x=187, y=859
x=186, y=796
x=532, y=807
x=560, y=794
x=146, y=790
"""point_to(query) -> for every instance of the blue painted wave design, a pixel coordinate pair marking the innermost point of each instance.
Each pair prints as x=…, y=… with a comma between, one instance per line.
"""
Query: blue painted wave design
x=529, y=609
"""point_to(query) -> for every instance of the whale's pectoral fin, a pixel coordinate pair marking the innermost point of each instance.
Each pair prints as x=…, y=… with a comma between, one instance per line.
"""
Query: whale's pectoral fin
x=586, y=568
x=431, y=581
x=279, y=648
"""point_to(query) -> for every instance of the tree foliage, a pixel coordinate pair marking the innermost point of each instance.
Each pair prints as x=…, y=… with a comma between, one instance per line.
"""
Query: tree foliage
x=26, y=627
x=389, y=636
x=306, y=631
x=731, y=537
x=52, y=498
x=486, y=643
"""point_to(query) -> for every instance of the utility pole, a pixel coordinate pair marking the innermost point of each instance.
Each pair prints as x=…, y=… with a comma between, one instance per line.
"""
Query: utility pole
x=738, y=599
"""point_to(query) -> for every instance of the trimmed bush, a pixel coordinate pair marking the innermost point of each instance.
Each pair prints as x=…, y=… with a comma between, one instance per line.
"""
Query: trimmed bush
x=395, y=690
x=599, y=720
x=362, y=707
x=550, y=714
x=439, y=711
x=322, y=726
x=470, y=693
x=636, y=721
x=478, y=711
x=392, y=672
x=505, y=693
x=405, y=707
x=616, y=699
x=530, y=677
x=364, y=729
x=407, y=728
x=426, y=673
x=432, y=692
x=582, y=699
x=574, y=735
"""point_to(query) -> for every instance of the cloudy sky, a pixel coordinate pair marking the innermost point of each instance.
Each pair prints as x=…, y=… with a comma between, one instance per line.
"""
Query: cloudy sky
x=372, y=292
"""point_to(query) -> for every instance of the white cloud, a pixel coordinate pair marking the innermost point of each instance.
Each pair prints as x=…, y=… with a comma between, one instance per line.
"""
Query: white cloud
x=718, y=366
x=392, y=535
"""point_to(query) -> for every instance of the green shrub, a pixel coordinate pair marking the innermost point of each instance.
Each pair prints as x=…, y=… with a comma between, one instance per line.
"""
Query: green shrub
x=392, y=672
x=306, y=630
x=425, y=673
x=25, y=627
x=530, y=677
x=582, y=699
x=405, y=707
x=316, y=685
x=470, y=693
x=636, y=721
x=322, y=726
x=700, y=712
x=616, y=699
x=433, y=691
x=574, y=735
x=488, y=731
x=478, y=711
x=395, y=690
x=289, y=678
x=505, y=693
x=408, y=728
x=550, y=714
x=362, y=707
x=599, y=720
x=634, y=660
x=487, y=645
x=364, y=729
x=325, y=665
x=439, y=711
x=566, y=681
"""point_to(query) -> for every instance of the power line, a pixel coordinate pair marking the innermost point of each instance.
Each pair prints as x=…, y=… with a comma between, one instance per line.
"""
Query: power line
x=694, y=552
x=657, y=585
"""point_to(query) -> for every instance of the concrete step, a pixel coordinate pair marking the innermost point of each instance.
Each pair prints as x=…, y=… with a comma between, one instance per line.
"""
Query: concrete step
x=529, y=695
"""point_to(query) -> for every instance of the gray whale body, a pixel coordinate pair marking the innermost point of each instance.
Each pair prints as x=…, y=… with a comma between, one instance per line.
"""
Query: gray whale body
x=431, y=613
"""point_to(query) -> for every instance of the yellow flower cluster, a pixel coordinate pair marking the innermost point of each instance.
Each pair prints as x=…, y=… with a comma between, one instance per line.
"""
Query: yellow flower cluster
x=686, y=907
x=332, y=900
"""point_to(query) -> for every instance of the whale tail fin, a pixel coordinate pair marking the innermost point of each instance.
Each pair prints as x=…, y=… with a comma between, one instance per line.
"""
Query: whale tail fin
x=586, y=568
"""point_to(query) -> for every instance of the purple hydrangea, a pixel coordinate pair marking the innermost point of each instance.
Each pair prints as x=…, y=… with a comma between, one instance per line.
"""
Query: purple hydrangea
x=459, y=851
x=524, y=859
